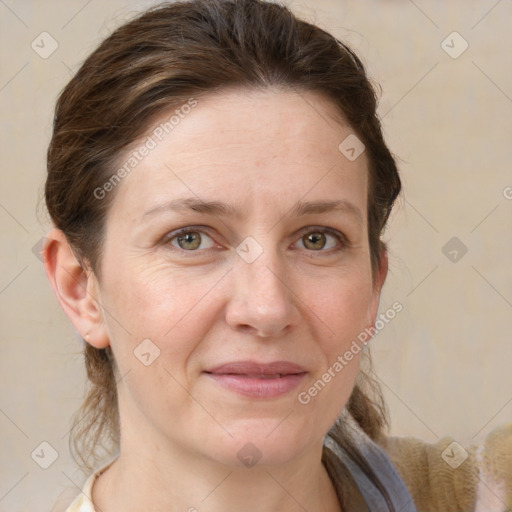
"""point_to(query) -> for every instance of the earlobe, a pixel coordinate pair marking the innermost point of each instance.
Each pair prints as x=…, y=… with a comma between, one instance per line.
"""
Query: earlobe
x=76, y=289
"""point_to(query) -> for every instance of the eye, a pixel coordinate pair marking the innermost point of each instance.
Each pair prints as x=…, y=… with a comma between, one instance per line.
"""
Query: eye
x=320, y=240
x=190, y=240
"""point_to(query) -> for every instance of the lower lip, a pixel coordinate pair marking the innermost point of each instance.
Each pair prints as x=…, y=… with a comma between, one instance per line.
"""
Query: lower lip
x=254, y=387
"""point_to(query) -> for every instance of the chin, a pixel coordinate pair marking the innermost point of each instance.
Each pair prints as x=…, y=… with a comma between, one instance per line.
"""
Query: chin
x=266, y=445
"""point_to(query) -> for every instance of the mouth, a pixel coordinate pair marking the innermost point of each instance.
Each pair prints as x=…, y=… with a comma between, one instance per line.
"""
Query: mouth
x=255, y=375
x=254, y=368
x=258, y=380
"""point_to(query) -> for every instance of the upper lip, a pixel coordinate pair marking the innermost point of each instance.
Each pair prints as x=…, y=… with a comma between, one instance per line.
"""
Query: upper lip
x=255, y=368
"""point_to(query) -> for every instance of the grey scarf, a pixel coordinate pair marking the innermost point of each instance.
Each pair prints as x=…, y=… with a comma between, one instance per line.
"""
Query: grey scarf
x=381, y=465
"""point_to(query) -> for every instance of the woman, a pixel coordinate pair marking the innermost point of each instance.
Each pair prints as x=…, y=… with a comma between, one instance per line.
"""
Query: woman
x=218, y=181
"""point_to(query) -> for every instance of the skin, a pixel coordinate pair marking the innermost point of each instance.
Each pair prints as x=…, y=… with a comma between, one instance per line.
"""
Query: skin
x=262, y=152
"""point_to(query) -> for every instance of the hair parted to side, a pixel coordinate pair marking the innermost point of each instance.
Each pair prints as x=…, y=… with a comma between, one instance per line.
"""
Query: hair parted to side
x=155, y=63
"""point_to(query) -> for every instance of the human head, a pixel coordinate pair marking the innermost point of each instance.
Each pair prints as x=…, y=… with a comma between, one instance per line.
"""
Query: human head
x=155, y=64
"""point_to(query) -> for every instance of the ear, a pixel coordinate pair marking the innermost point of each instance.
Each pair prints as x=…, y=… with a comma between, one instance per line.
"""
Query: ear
x=378, y=282
x=76, y=289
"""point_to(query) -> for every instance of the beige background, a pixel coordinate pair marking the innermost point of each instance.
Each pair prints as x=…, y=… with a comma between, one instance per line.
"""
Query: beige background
x=444, y=361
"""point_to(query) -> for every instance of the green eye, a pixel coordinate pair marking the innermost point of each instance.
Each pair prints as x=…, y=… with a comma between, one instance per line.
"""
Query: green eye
x=314, y=241
x=190, y=240
x=319, y=240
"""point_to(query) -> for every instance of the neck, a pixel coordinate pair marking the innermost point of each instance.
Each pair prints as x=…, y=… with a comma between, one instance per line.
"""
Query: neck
x=171, y=479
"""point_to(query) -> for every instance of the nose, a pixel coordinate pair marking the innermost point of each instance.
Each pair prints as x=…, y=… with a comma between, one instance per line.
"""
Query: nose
x=262, y=301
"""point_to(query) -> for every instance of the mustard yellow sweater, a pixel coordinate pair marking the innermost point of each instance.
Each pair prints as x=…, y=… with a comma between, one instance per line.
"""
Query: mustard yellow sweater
x=448, y=477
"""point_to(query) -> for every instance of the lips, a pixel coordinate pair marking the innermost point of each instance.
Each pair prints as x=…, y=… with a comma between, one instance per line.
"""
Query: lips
x=262, y=370
x=258, y=380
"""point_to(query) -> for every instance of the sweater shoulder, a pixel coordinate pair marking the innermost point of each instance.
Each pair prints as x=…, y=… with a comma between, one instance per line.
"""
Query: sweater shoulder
x=451, y=476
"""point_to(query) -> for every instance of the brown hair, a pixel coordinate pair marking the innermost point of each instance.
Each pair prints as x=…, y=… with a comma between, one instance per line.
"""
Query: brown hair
x=157, y=62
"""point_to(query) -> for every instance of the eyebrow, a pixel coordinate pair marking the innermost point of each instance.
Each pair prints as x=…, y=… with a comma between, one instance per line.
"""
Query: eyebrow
x=219, y=208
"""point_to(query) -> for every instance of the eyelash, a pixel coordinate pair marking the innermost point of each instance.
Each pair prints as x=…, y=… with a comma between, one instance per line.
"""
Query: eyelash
x=340, y=238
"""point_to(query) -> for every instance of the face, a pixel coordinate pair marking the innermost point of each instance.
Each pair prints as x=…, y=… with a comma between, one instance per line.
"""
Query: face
x=240, y=238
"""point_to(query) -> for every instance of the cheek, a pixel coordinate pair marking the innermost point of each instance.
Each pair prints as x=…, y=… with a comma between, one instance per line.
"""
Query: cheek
x=157, y=319
x=173, y=308
x=342, y=313
x=153, y=298
x=341, y=305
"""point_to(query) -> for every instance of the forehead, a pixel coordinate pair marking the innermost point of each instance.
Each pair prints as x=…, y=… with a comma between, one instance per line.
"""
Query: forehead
x=253, y=145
